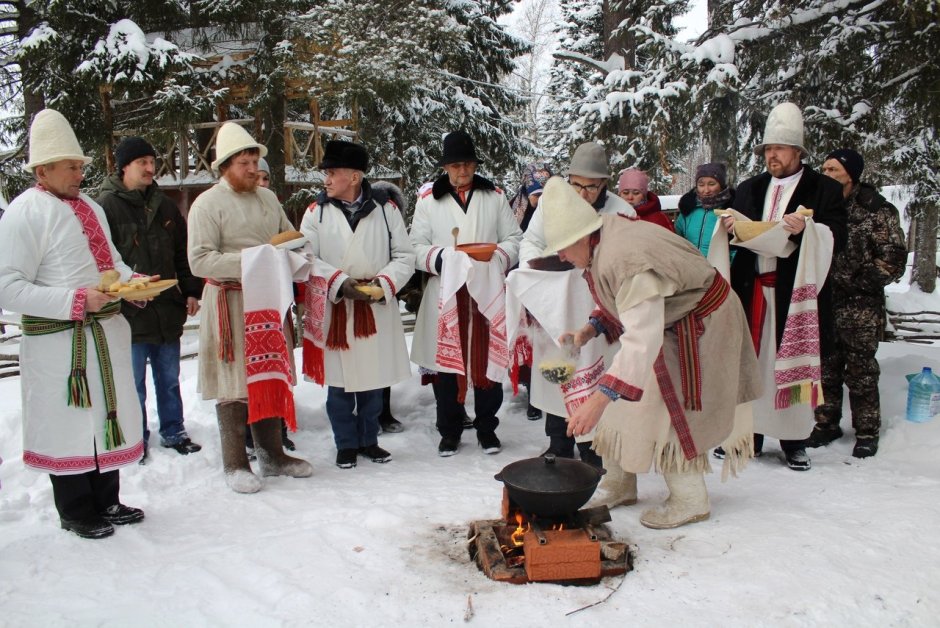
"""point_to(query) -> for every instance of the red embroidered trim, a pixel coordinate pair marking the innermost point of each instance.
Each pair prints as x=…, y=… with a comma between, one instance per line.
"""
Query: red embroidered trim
x=329, y=283
x=391, y=284
x=79, y=299
x=427, y=260
x=80, y=464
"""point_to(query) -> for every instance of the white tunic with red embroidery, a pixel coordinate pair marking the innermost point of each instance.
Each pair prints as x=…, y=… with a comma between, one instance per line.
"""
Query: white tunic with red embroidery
x=488, y=219
x=378, y=249
x=45, y=263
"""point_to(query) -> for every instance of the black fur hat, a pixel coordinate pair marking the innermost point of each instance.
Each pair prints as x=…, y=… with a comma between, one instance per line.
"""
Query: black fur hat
x=339, y=154
x=458, y=146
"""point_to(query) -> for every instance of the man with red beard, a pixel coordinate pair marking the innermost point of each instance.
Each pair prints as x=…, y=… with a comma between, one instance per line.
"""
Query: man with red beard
x=232, y=215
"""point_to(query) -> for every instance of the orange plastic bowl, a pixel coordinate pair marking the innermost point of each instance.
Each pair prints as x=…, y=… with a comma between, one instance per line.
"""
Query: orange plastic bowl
x=481, y=251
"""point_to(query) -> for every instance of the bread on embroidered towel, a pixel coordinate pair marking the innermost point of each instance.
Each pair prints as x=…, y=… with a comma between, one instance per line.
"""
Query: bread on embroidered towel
x=559, y=301
x=267, y=289
x=485, y=284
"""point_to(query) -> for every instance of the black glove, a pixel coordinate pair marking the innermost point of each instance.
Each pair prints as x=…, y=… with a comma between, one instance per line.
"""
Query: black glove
x=348, y=291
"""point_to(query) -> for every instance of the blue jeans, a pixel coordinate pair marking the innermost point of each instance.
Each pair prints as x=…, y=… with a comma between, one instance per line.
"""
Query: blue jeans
x=354, y=417
x=165, y=364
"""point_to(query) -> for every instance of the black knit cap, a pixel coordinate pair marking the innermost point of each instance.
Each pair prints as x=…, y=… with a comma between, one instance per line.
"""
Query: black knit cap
x=131, y=148
x=458, y=147
x=850, y=160
x=340, y=154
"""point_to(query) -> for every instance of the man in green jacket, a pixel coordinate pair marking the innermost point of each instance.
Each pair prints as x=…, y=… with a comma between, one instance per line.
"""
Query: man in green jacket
x=150, y=233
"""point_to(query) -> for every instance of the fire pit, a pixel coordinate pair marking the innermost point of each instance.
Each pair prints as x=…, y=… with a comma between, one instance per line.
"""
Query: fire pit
x=575, y=548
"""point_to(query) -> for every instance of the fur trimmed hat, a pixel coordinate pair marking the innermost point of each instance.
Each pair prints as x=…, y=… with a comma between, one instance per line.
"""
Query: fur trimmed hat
x=850, y=160
x=52, y=139
x=567, y=216
x=633, y=179
x=784, y=126
x=715, y=170
x=590, y=160
x=340, y=154
x=458, y=147
x=233, y=139
x=131, y=148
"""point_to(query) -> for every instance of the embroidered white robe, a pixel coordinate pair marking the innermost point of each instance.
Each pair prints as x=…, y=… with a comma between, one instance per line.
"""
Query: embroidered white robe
x=44, y=258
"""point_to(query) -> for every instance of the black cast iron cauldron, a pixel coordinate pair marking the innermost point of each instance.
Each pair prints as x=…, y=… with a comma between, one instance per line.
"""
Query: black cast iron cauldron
x=548, y=486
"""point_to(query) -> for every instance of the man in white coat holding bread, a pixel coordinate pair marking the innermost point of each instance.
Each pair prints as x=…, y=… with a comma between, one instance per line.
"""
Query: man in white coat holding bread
x=460, y=333
x=354, y=341
x=81, y=416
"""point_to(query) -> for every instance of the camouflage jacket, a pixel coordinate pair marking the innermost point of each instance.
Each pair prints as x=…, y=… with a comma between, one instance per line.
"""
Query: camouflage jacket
x=875, y=254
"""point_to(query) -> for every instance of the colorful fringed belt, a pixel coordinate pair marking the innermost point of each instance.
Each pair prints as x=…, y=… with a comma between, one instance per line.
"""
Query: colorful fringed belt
x=226, y=339
x=79, y=395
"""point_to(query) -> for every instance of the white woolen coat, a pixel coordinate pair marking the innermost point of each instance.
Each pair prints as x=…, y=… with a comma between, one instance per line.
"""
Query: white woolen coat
x=488, y=219
x=44, y=258
x=379, y=248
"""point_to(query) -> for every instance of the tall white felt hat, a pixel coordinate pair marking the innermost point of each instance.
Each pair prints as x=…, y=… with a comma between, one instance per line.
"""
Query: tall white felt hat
x=52, y=139
x=784, y=126
x=233, y=139
x=567, y=216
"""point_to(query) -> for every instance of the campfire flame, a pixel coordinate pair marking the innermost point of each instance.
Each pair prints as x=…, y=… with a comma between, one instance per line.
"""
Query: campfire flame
x=521, y=527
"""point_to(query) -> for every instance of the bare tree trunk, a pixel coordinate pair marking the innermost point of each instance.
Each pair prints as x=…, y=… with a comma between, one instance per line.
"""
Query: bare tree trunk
x=616, y=40
x=33, y=101
x=925, y=245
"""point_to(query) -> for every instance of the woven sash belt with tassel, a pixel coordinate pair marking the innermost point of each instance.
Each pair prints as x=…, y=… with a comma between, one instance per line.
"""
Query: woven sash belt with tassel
x=78, y=394
x=226, y=339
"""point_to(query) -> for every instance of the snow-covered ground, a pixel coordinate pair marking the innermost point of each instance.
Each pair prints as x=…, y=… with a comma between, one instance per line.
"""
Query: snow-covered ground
x=849, y=543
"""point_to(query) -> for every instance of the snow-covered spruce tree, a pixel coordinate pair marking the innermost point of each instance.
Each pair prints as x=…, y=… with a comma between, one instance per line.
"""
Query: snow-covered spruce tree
x=71, y=50
x=639, y=111
x=580, y=33
x=412, y=71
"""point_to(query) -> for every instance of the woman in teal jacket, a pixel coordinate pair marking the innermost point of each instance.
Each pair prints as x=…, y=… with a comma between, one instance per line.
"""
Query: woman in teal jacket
x=696, y=220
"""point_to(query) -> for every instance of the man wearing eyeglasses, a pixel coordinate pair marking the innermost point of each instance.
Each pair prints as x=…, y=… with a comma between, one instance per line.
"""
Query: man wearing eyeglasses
x=588, y=174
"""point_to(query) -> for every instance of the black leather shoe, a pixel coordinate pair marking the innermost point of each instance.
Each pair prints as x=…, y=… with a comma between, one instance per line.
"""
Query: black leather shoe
x=346, y=458
x=185, y=447
x=798, y=460
x=120, y=515
x=95, y=528
x=448, y=447
x=375, y=453
x=489, y=442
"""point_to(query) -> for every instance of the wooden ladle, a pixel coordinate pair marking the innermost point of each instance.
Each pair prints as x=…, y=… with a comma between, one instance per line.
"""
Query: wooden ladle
x=455, y=232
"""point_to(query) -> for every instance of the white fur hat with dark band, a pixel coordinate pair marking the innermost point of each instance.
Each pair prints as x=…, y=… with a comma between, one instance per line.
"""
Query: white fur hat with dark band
x=567, y=216
x=52, y=139
x=233, y=139
x=784, y=126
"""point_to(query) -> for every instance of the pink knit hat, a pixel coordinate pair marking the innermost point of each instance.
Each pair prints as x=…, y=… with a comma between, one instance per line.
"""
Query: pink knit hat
x=633, y=179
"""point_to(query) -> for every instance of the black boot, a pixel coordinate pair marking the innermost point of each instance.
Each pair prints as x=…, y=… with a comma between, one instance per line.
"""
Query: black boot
x=387, y=422
x=590, y=456
x=560, y=447
x=823, y=433
x=865, y=446
x=285, y=439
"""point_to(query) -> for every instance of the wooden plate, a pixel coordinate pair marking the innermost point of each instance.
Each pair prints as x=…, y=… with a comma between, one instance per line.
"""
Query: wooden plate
x=748, y=229
x=153, y=289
